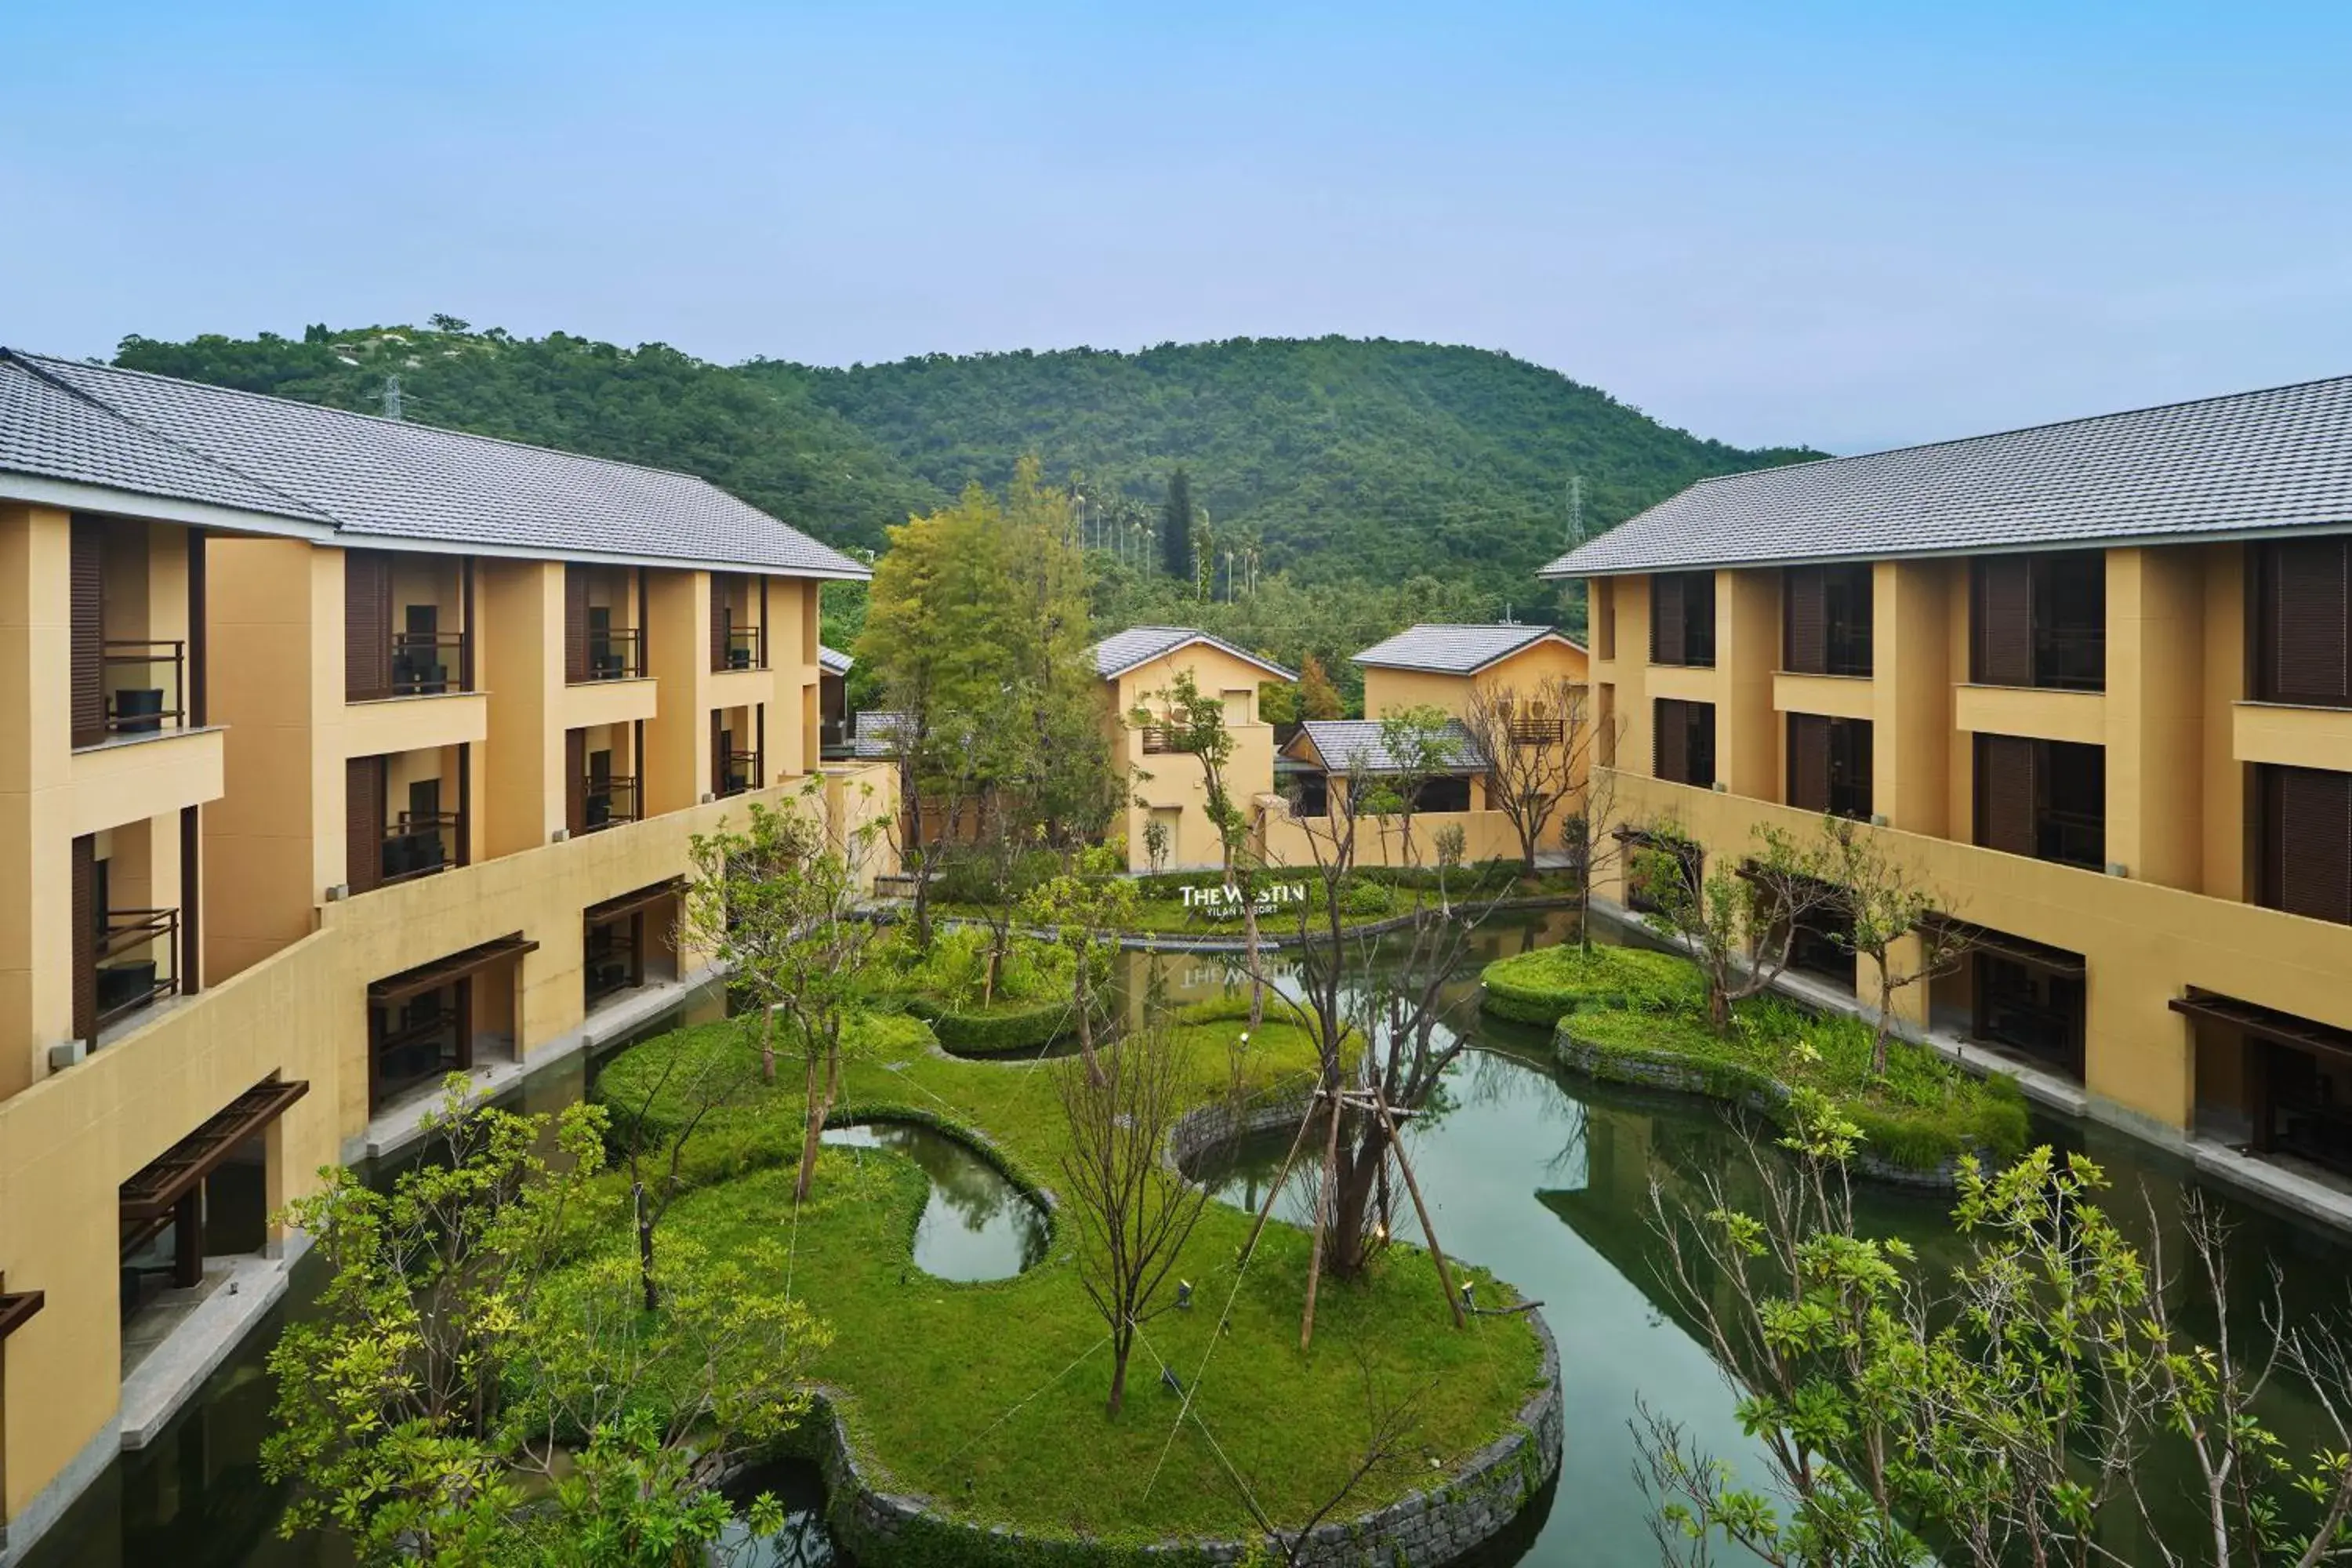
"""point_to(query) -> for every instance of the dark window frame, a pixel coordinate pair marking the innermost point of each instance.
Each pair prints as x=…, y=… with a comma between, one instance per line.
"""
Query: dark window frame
x=1683, y=731
x=1828, y=615
x=1682, y=620
x=2051, y=822
x=2062, y=644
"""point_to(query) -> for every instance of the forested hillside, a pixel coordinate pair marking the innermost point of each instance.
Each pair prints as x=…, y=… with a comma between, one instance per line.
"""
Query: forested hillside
x=763, y=440
x=1338, y=458
x=1344, y=477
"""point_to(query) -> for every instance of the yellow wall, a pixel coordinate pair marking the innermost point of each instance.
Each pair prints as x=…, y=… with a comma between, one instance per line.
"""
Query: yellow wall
x=1175, y=781
x=2178, y=739
x=1387, y=691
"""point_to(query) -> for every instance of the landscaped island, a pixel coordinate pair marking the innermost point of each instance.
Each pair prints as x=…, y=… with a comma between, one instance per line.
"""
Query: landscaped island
x=1633, y=1016
x=965, y=1422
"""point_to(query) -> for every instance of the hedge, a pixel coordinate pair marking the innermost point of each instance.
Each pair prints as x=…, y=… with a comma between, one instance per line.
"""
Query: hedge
x=1918, y=1122
x=1544, y=986
x=995, y=1030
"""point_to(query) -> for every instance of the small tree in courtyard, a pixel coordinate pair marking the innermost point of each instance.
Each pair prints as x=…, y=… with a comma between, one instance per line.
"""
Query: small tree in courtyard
x=1086, y=916
x=1882, y=907
x=1135, y=1211
x=1538, y=745
x=1195, y=724
x=1740, y=924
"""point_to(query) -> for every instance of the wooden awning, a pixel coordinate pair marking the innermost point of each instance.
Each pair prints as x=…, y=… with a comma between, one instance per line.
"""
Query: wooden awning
x=17, y=1309
x=175, y=1173
x=2016, y=949
x=2269, y=1023
x=445, y=971
x=630, y=903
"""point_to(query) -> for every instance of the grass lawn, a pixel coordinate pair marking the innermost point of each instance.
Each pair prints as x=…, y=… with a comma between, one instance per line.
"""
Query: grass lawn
x=1922, y=1114
x=933, y=1376
x=1546, y=986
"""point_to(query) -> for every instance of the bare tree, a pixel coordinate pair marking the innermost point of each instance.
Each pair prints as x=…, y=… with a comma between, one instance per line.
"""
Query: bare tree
x=1391, y=1421
x=1135, y=1209
x=1588, y=830
x=1538, y=746
x=1882, y=904
x=1740, y=924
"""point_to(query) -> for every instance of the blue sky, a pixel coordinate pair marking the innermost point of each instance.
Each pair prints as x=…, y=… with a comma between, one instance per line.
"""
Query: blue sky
x=1849, y=224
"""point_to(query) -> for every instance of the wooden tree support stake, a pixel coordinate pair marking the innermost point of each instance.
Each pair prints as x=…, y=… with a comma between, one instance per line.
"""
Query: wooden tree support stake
x=1428, y=1231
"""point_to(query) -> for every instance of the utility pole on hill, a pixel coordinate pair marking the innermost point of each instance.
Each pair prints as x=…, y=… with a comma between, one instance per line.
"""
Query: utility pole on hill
x=1575, y=510
x=392, y=398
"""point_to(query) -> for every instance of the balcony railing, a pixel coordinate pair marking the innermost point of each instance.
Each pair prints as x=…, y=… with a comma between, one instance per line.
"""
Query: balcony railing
x=149, y=703
x=745, y=647
x=2071, y=838
x=426, y=664
x=2071, y=659
x=138, y=962
x=1538, y=731
x=616, y=654
x=735, y=776
x=418, y=846
x=610, y=802
x=1158, y=740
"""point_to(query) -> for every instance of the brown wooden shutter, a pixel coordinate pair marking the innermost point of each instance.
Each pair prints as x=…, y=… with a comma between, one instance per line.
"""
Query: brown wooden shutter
x=576, y=781
x=1667, y=620
x=766, y=651
x=1670, y=748
x=87, y=631
x=2004, y=620
x=86, y=917
x=363, y=779
x=718, y=620
x=2006, y=793
x=367, y=625
x=1806, y=592
x=717, y=753
x=1809, y=761
x=2306, y=655
x=2308, y=842
x=575, y=622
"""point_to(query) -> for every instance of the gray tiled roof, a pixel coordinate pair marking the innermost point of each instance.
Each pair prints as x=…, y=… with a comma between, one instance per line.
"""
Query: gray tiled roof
x=2252, y=461
x=1122, y=651
x=372, y=477
x=832, y=661
x=873, y=732
x=1344, y=744
x=1452, y=650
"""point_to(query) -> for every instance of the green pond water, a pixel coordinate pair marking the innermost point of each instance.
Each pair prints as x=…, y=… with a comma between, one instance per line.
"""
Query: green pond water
x=1543, y=1178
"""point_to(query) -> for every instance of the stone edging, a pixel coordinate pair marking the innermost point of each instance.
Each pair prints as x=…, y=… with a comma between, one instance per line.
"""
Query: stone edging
x=1422, y=1530
x=1681, y=1074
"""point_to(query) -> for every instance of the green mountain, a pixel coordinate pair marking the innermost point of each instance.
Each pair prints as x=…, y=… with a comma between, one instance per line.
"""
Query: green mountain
x=1341, y=460
x=1335, y=461
x=762, y=439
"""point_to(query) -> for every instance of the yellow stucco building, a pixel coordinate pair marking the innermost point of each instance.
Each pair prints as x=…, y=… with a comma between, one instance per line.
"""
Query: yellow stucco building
x=336, y=753
x=1437, y=666
x=1138, y=668
x=2094, y=680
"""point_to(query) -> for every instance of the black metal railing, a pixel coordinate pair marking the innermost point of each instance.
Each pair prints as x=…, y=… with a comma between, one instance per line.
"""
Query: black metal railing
x=1538, y=731
x=426, y=664
x=616, y=654
x=1849, y=650
x=1158, y=740
x=735, y=776
x=419, y=845
x=138, y=960
x=610, y=802
x=424, y=1045
x=610, y=965
x=144, y=705
x=744, y=647
x=2071, y=838
x=2071, y=659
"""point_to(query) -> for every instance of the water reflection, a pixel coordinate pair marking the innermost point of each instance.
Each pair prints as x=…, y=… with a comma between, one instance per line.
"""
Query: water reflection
x=976, y=1225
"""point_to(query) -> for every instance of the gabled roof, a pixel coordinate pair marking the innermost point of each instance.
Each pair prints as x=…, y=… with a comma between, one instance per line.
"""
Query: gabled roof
x=1122, y=651
x=1344, y=744
x=832, y=661
x=373, y=480
x=873, y=732
x=2251, y=462
x=1457, y=649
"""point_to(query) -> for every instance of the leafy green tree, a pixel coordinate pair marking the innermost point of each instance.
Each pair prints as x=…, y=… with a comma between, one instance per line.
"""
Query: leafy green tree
x=1086, y=915
x=1194, y=722
x=1177, y=524
x=1888, y=917
x=1318, y=698
x=467, y=1395
x=1738, y=923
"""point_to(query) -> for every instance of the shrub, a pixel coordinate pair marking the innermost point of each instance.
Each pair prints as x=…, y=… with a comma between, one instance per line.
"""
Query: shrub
x=1546, y=986
x=993, y=1031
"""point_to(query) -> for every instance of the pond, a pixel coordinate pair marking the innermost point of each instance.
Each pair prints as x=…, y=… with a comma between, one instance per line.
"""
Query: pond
x=976, y=1224
x=1544, y=1179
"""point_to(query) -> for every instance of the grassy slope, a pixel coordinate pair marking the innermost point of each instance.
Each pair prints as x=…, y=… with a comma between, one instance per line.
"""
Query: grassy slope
x=928, y=1366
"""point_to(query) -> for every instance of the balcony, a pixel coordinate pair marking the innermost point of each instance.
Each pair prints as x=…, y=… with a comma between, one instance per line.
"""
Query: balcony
x=740, y=648
x=614, y=654
x=144, y=682
x=735, y=772
x=138, y=960
x=418, y=844
x=609, y=803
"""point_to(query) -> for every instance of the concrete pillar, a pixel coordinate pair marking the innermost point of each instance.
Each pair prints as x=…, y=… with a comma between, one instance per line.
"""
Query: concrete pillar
x=1911, y=696
x=1747, y=732
x=2228, y=868
x=677, y=738
x=2155, y=722
x=520, y=790
x=36, y=817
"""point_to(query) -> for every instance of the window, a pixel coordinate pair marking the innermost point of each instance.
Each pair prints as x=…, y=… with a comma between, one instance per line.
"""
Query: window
x=2306, y=842
x=1682, y=618
x=1825, y=619
x=1602, y=613
x=1829, y=765
x=2302, y=623
x=2040, y=620
x=2046, y=799
x=1682, y=745
x=1237, y=707
x=1447, y=793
